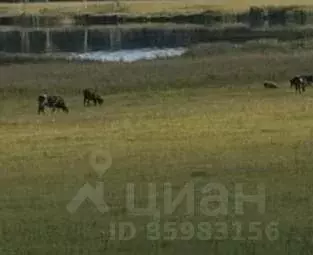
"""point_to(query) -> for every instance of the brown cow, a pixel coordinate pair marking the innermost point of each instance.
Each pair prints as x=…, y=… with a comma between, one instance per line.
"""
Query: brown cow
x=92, y=95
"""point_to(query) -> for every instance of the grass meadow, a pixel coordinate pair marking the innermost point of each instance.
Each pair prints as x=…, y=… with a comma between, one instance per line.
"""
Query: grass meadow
x=142, y=7
x=202, y=118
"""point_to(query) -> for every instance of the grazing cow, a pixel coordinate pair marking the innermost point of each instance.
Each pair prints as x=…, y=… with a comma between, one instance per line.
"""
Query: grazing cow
x=308, y=79
x=92, y=95
x=270, y=85
x=41, y=103
x=54, y=102
x=299, y=83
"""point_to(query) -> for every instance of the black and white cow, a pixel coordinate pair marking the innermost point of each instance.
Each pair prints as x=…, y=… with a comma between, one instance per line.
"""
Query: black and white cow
x=53, y=102
x=299, y=82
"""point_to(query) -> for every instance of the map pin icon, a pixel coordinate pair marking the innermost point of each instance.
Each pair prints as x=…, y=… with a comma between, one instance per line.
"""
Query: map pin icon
x=106, y=158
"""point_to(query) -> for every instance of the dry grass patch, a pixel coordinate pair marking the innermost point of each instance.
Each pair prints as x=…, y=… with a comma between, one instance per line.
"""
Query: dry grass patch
x=143, y=7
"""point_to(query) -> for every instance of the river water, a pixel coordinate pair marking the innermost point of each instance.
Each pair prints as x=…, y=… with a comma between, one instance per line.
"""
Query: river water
x=129, y=43
x=103, y=43
x=129, y=55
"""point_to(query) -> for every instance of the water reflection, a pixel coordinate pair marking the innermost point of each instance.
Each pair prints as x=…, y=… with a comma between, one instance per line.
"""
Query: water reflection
x=105, y=38
x=129, y=55
x=131, y=42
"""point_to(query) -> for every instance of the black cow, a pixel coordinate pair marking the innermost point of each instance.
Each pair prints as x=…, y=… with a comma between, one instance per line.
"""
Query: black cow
x=54, y=102
x=299, y=82
x=308, y=79
x=92, y=95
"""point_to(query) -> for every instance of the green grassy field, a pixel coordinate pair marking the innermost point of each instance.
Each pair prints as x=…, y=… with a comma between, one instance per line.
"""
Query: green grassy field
x=199, y=120
x=141, y=7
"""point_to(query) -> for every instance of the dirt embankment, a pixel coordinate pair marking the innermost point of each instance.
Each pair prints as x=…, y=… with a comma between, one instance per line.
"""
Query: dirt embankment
x=254, y=17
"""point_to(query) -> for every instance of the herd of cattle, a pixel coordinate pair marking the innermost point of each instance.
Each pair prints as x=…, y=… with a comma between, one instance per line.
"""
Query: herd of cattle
x=299, y=82
x=57, y=102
